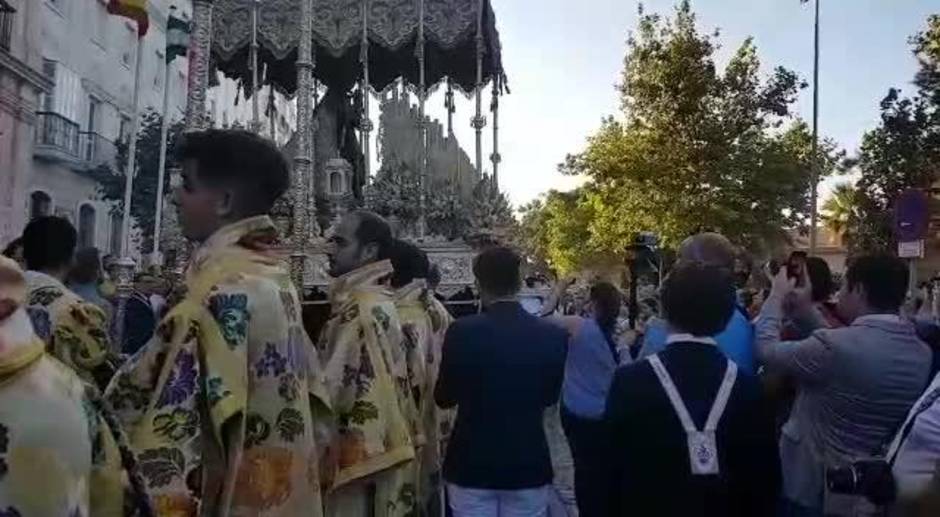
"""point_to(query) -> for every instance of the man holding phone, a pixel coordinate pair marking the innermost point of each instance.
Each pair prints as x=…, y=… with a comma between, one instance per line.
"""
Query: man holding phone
x=855, y=384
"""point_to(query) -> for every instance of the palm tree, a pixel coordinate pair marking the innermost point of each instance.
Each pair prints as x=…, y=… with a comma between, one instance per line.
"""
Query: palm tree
x=839, y=207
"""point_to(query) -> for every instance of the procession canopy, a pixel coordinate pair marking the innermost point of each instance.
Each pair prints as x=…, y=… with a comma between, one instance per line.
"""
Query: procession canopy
x=450, y=32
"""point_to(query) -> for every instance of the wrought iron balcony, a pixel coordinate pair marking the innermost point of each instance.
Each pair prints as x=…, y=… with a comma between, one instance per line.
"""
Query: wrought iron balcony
x=57, y=138
x=97, y=150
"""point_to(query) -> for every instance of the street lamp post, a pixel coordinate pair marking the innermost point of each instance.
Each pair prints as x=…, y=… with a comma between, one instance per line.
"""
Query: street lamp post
x=814, y=192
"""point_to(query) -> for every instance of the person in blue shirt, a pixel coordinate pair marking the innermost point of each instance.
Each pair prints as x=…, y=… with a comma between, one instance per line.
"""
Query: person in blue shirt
x=736, y=341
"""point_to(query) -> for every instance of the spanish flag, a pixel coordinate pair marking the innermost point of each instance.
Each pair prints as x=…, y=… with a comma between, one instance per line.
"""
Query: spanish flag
x=135, y=10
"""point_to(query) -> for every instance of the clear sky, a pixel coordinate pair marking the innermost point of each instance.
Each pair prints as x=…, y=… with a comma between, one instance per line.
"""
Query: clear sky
x=563, y=58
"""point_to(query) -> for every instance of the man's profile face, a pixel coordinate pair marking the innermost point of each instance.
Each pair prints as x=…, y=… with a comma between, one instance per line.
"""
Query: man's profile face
x=198, y=204
x=345, y=252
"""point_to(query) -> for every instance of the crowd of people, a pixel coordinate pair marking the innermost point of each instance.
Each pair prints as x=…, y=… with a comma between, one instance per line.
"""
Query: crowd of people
x=798, y=401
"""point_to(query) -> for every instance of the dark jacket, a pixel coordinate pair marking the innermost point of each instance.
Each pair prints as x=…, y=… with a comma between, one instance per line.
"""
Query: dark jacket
x=501, y=369
x=650, y=452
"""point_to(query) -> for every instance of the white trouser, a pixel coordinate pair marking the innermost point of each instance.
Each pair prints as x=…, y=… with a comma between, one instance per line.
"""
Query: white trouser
x=478, y=502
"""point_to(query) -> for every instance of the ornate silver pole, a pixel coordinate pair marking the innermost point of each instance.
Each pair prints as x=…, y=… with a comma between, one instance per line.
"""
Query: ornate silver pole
x=451, y=108
x=312, y=228
x=422, y=127
x=199, y=65
x=479, y=121
x=365, y=125
x=495, y=158
x=272, y=114
x=303, y=161
x=449, y=104
x=253, y=51
x=195, y=119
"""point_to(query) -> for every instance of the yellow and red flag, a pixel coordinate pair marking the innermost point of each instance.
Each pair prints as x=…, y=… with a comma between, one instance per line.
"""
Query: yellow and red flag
x=135, y=10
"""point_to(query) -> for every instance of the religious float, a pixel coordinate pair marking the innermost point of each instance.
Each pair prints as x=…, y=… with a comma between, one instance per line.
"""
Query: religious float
x=337, y=57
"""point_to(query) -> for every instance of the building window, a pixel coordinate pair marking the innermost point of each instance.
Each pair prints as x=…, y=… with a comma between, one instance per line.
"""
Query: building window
x=86, y=226
x=49, y=70
x=40, y=204
x=161, y=71
x=94, y=105
x=129, y=45
x=117, y=221
x=6, y=27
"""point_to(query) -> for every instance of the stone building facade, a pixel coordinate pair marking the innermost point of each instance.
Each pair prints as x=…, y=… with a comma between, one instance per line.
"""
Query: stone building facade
x=21, y=85
x=75, y=102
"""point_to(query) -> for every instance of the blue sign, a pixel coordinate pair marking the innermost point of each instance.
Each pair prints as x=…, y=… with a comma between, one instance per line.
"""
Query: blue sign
x=911, y=215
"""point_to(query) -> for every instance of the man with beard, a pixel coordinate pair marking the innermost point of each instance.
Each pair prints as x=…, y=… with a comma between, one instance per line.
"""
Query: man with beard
x=369, y=468
x=218, y=403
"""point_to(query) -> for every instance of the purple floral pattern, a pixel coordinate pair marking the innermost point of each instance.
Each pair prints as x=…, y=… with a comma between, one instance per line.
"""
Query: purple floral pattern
x=181, y=383
x=272, y=362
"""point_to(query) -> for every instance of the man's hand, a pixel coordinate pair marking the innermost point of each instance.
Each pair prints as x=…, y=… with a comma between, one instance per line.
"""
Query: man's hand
x=780, y=284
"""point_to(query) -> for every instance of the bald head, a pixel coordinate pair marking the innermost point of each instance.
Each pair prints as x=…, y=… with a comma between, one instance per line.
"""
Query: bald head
x=712, y=249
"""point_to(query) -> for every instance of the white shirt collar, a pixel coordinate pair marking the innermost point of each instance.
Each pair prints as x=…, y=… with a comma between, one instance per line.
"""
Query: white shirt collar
x=877, y=318
x=689, y=338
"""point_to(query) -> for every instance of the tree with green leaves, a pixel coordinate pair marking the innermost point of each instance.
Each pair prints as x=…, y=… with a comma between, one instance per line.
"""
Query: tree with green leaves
x=694, y=148
x=839, y=208
x=902, y=152
x=111, y=180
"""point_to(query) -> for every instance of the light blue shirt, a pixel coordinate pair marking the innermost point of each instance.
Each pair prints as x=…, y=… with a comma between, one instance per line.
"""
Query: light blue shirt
x=589, y=371
x=736, y=341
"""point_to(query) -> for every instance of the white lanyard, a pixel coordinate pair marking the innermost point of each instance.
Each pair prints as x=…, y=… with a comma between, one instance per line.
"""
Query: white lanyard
x=702, y=445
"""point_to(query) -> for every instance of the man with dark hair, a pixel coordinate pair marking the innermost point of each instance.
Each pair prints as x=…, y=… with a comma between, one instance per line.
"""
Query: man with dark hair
x=424, y=320
x=365, y=372
x=74, y=330
x=227, y=172
x=690, y=433
x=498, y=272
x=360, y=239
x=736, y=340
x=855, y=384
x=223, y=390
x=501, y=369
x=85, y=276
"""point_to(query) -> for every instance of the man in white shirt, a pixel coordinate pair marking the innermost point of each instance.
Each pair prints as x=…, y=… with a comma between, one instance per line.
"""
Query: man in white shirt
x=915, y=452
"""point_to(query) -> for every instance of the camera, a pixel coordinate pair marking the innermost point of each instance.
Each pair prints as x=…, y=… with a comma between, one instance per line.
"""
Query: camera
x=870, y=478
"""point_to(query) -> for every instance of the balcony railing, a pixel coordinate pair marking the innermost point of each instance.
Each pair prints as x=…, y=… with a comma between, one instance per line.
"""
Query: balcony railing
x=97, y=150
x=57, y=136
x=59, y=139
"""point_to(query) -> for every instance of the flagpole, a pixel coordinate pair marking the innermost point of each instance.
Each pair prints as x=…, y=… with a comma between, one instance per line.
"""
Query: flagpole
x=131, y=156
x=125, y=265
x=161, y=171
x=814, y=193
